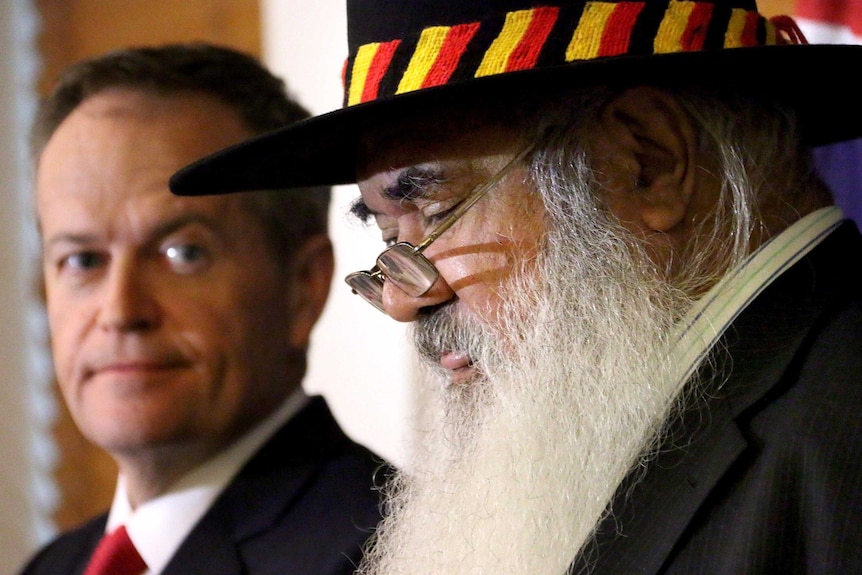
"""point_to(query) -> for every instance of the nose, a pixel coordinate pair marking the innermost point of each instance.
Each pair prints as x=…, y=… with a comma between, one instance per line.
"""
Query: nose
x=126, y=302
x=401, y=306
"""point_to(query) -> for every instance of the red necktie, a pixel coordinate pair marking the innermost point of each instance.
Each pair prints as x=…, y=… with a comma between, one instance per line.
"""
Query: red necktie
x=116, y=555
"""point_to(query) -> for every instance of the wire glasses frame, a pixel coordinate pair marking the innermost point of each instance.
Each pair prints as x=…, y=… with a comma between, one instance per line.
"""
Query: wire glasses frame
x=404, y=265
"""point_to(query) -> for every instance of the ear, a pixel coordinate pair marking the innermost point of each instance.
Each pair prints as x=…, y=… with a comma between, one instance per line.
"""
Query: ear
x=653, y=138
x=312, y=269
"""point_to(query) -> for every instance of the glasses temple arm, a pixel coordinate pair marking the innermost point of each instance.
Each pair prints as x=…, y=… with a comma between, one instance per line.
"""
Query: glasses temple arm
x=471, y=200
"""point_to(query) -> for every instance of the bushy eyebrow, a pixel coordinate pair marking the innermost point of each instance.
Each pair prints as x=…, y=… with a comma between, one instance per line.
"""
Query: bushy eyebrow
x=360, y=210
x=414, y=183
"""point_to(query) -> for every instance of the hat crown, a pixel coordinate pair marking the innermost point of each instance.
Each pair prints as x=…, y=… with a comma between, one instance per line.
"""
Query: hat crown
x=383, y=20
x=399, y=46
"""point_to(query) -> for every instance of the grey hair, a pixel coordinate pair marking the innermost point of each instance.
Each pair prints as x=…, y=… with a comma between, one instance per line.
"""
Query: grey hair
x=761, y=161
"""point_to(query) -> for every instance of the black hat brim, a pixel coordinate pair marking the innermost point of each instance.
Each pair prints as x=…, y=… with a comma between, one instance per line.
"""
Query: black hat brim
x=818, y=80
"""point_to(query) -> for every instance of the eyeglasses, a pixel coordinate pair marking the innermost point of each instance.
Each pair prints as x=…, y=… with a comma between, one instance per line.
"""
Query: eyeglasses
x=404, y=265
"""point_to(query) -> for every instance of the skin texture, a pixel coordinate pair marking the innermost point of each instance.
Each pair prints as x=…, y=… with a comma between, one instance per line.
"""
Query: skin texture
x=173, y=326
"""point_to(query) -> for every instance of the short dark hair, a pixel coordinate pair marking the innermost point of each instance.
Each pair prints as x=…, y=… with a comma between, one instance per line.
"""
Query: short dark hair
x=237, y=79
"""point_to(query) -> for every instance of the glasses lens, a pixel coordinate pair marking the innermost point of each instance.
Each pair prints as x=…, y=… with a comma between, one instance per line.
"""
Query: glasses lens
x=369, y=286
x=410, y=271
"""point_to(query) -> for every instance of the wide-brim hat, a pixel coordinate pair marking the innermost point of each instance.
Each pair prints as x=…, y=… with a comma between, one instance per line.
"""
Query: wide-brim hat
x=408, y=56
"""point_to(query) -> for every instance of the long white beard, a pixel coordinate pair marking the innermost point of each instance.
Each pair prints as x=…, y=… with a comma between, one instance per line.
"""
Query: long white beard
x=517, y=467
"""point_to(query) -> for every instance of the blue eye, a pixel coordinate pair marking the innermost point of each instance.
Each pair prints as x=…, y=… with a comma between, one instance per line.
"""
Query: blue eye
x=82, y=261
x=80, y=268
x=184, y=253
x=186, y=258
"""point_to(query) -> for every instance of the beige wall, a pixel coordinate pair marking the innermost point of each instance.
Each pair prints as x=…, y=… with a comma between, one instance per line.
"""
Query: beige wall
x=21, y=422
x=775, y=7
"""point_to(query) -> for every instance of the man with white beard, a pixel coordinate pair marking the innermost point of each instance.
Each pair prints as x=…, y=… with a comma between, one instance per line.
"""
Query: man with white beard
x=629, y=286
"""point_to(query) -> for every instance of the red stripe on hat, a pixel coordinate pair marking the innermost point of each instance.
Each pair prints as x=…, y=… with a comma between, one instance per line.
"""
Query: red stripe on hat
x=378, y=68
x=695, y=31
x=527, y=51
x=450, y=54
x=618, y=29
x=749, y=32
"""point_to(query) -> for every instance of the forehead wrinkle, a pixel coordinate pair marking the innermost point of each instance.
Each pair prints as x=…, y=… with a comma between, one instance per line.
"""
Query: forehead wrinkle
x=154, y=233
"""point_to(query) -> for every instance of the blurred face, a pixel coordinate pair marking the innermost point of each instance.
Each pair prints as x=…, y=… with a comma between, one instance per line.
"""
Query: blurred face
x=171, y=322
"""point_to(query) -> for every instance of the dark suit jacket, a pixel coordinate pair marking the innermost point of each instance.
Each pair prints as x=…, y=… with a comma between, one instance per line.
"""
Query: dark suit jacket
x=303, y=505
x=765, y=474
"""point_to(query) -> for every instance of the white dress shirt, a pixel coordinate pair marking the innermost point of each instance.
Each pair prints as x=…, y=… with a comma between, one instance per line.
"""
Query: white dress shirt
x=159, y=526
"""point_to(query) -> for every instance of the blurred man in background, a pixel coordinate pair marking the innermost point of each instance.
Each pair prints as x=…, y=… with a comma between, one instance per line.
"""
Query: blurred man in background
x=179, y=326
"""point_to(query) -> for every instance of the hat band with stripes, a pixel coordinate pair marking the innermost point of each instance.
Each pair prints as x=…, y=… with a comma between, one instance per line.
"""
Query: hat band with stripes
x=547, y=36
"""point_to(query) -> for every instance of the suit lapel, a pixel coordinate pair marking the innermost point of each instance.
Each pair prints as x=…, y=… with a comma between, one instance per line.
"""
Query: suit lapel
x=649, y=514
x=651, y=511
x=72, y=552
x=262, y=491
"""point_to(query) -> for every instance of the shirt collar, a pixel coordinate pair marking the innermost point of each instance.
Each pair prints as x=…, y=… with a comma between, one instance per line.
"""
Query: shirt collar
x=159, y=526
x=714, y=312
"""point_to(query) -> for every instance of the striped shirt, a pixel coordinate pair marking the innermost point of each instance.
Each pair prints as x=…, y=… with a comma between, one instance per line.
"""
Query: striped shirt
x=713, y=313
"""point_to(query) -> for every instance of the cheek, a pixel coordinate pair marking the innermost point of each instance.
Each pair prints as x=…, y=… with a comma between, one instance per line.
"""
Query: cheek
x=229, y=333
x=68, y=327
x=488, y=267
x=521, y=239
x=203, y=330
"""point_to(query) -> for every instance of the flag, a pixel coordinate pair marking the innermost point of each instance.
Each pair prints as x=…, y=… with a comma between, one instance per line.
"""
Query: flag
x=836, y=22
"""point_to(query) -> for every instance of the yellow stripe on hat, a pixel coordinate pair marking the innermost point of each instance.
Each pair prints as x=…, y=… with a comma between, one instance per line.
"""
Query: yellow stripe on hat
x=427, y=50
x=672, y=27
x=771, y=34
x=587, y=38
x=735, y=28
x=361, y=65
x=497, y=56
